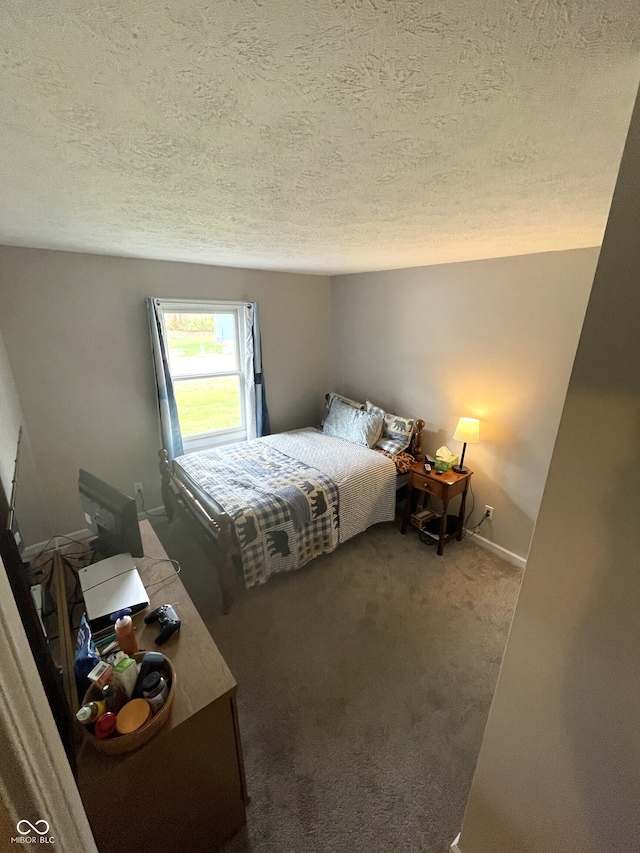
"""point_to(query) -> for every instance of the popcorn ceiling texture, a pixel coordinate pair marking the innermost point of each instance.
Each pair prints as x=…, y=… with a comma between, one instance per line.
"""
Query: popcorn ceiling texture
x=313, y=135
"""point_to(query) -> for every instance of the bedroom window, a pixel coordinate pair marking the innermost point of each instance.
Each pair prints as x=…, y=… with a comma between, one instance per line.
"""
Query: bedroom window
x=207, y=354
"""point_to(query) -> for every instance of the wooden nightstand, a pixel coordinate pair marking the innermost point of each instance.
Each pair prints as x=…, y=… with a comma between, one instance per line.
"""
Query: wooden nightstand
x=444, y=486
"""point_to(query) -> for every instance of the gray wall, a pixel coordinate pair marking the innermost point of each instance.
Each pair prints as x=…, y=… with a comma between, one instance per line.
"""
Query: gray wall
x=75, y=331
x=558, y=767
x=490, y=339
x=493, y=339
x=30, y=507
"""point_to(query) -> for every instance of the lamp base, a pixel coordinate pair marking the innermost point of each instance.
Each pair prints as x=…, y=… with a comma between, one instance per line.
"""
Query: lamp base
x=459, y=469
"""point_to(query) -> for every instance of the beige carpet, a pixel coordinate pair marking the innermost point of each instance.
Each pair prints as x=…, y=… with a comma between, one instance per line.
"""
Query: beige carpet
x=365, y=681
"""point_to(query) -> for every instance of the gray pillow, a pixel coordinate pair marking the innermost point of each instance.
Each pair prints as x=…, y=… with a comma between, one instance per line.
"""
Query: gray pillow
x=397, y=431
x=354, y=425
x=333, y=396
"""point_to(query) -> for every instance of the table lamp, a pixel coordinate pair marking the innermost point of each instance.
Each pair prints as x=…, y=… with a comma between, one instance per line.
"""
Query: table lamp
x=467, y=431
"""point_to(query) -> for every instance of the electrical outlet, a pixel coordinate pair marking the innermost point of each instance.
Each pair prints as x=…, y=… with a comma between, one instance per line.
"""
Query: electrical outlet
x=139, y=491
x=488, y=512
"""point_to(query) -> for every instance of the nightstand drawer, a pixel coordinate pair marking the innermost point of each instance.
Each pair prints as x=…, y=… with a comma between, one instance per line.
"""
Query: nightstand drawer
x=426, y=484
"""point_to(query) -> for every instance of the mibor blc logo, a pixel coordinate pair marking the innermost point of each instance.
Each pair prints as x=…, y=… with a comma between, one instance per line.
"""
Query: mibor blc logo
x=33, y=833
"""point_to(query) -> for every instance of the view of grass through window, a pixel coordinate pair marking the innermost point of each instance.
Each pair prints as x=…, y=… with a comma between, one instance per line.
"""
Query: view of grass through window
x=208, y=404
x=201, y=345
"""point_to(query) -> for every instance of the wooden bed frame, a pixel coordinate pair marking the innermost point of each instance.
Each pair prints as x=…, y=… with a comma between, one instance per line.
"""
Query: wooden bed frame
x=212, y=527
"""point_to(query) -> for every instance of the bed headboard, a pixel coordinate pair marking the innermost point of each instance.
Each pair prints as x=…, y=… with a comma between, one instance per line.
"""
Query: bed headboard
x=415, y=448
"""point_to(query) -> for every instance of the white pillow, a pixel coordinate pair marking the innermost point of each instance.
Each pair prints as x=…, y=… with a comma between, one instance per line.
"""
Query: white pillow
x=354, y=425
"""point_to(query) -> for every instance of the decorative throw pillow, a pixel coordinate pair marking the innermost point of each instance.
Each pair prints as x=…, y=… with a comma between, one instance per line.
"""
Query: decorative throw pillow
x=397, y=431
x=333, y=396
x=354, y=425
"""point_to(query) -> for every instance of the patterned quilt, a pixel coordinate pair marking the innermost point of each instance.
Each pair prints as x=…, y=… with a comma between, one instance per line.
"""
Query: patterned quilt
x=285, y=512
x=366, y=479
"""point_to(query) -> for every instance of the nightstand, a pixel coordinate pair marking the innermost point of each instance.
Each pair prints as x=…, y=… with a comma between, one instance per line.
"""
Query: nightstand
x=444, y=486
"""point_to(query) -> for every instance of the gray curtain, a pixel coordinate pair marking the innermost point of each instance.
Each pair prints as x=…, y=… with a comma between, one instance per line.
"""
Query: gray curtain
x=167, y=408
x=257, y=412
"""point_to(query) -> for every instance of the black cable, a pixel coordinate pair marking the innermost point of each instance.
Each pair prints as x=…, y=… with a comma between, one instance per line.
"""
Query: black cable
x=34, y=575
x=47, y=595
x=43, y=549
x=80, y=542
x=57, y=536
x=73, y=569
x=146, y=511
x=473, y=506
x=72, y=608
x=76, y=595
x=471, y=531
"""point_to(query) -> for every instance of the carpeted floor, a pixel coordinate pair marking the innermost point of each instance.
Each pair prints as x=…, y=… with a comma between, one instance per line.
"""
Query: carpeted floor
x=364, y=684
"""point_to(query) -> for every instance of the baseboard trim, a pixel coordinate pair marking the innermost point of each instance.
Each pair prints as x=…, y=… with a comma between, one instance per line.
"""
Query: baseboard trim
x=509, y=556
x=59, y=541
x=154, y=510
x=454, y=847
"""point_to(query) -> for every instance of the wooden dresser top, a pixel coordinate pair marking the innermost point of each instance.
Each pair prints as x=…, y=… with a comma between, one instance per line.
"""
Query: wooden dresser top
x=202, y=676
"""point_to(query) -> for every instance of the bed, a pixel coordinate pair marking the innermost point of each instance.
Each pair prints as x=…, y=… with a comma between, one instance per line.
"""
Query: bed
x=272, y=504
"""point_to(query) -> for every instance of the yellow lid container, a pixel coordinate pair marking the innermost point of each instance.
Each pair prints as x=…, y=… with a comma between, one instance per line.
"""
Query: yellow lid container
x=133, y=716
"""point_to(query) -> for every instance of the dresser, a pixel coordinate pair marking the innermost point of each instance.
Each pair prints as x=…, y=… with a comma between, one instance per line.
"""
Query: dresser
x=184, y=789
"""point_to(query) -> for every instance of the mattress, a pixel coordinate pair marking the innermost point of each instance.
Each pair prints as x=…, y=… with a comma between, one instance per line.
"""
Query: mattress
x=356, y=486
x=366, y=480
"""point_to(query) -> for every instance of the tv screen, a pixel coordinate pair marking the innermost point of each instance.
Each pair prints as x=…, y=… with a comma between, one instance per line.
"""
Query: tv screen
x=111, y=515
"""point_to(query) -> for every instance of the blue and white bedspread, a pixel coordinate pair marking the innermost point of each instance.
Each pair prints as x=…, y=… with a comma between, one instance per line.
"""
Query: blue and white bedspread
x=366, y=479
x=285, y=512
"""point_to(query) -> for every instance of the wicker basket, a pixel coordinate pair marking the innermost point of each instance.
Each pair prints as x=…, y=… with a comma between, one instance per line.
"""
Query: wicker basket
x=125, y=743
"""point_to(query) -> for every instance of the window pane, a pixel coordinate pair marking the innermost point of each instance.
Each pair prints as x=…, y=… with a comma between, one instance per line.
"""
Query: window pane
x=201, y=343
x=205, y=405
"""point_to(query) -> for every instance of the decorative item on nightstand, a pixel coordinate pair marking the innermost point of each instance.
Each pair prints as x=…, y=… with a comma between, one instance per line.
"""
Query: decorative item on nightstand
x=467, y=431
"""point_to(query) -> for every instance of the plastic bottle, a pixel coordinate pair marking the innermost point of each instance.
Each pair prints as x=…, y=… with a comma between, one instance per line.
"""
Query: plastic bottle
x=155, y=691
x=113, y=699
x=125, y=635
x=89, y=713
x=105, y=725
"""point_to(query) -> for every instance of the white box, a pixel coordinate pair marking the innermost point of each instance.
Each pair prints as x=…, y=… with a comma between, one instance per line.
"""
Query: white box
x=109, y=586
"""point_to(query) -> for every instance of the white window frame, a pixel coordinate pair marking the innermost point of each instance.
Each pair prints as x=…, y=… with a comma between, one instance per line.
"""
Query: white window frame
x=214, y=438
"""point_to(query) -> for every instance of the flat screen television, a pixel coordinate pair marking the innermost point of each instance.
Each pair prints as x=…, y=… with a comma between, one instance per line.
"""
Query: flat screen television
x=111, y=515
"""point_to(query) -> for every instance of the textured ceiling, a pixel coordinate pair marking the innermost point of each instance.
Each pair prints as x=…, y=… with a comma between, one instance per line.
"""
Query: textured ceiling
x=313, y=135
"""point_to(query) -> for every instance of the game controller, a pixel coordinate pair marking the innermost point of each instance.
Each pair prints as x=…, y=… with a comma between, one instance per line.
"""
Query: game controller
x=168, y=618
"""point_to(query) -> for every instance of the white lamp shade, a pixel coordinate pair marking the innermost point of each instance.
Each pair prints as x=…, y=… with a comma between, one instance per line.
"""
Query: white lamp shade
x=468, y=430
